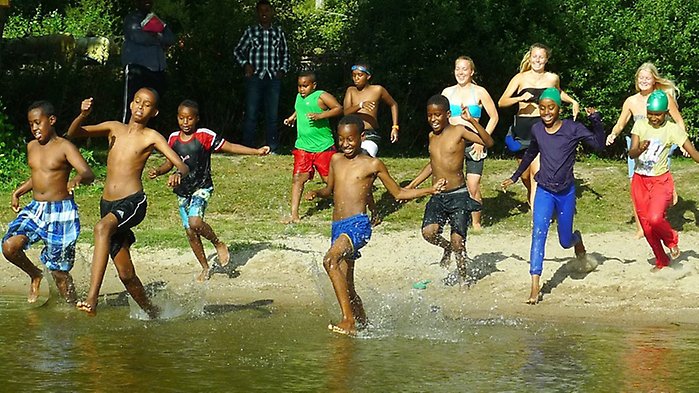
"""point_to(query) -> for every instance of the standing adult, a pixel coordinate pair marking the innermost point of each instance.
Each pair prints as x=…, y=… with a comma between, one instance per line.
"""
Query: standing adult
x=146, y=38
x=467, y=95
x=524, y=90
x=264, y=55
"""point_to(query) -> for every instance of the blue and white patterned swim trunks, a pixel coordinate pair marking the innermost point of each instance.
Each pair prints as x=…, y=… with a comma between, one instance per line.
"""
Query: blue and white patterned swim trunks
x=195, y=205
x=56, y=224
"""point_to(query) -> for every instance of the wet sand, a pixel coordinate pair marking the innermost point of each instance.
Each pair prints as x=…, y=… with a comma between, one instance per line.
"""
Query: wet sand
x=289, y=271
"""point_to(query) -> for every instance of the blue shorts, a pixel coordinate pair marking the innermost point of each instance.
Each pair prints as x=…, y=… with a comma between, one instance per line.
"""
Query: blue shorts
x=194, y=205
x=357, y=228
x=56, y=224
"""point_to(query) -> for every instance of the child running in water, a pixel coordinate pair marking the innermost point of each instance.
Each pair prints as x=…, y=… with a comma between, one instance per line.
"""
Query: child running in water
x=52, y=215
x=314, y=142
x=123, y=204
x=652, y=184
x=350, y=181
x=363, y=99
x=555, y=141
x=194, y=146
x=447, y=150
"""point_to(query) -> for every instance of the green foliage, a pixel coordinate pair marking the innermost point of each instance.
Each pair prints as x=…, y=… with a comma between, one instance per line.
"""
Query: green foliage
x=86, y=18
x=13, y=164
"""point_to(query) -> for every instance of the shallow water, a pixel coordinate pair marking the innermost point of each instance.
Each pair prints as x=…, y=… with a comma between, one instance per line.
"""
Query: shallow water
x=260, y=347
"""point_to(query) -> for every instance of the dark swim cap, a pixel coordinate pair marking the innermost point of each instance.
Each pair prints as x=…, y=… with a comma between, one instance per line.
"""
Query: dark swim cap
x=657, y=101
x=551, y=94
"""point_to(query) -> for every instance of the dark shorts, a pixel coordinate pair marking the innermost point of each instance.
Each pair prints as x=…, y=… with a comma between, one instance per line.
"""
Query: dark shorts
x=357, y=229
x=522, y=132
x=372, y=135
x=454, y=206
x=473, y=166
x=129, y=211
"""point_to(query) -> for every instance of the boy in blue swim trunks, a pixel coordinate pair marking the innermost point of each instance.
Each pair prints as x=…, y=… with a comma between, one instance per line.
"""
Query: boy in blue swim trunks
x=194, y=146
x=52, y=215
x=123, y=204
x=350, y=181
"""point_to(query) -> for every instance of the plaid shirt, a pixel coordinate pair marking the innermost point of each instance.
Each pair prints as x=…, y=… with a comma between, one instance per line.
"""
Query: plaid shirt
x=264, y=49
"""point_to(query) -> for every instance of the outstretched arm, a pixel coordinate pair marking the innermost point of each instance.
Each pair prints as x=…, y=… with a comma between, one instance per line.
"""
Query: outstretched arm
x=161, y=170
x=234, y=148
x=421, y=177
x=161, y=145
x=327, y=191
x=76, y=130
x=594, y=139
x=404, y=193
x=623, y=120
x=21, y=190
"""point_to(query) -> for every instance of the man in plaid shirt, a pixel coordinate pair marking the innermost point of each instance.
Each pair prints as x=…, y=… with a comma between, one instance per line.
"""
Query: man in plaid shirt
x=264, y=55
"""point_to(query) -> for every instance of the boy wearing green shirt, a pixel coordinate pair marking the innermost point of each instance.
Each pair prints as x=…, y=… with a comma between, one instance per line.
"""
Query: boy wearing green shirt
x=315, y=144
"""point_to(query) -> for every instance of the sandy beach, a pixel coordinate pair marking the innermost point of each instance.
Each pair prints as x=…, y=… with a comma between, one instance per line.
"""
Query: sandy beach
x=622, y=289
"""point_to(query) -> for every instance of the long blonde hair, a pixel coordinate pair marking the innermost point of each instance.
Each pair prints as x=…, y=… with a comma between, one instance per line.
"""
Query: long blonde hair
x=525, y=64
x=661, y=83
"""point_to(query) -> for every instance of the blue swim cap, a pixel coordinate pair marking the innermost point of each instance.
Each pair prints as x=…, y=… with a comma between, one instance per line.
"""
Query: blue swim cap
x=657, y=101
x=551, y=94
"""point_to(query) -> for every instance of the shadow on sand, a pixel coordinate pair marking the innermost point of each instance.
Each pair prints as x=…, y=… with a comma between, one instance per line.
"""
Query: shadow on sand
x=567, y=270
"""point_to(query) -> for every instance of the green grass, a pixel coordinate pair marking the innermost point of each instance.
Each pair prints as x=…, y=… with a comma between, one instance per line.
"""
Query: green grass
x=252, y=195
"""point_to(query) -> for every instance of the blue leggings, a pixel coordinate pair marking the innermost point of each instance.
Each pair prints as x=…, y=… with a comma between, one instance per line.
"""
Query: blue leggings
x=546, y=203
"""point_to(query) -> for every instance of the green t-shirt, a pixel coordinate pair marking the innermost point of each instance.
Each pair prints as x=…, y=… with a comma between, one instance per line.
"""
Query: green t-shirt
x=653, y=161
x=313, y=135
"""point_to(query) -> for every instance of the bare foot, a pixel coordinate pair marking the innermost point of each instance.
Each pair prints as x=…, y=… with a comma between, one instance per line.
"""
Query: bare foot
x=344, y=327
x=675, y=197
x=675, y=252
x=656, y=269
x=34, y=288
x=291, y=220
x=533, y=296
x=88, y=308
x=204, y=275
x=223, y=255
x=446, y=259
x=477, y=228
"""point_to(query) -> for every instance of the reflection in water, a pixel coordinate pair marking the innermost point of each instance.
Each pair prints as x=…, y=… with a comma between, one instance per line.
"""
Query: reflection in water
x=260, y=347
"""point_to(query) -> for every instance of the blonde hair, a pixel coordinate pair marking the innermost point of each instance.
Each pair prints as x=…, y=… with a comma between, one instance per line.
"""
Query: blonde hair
x=661, y=83
x=471, y=64
x=525, y=64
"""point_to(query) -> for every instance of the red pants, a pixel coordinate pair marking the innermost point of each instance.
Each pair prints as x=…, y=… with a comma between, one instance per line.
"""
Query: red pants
x=652, y=195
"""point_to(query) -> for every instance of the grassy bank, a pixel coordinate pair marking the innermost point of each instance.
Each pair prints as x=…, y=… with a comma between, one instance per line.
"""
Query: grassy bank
x=252, y=195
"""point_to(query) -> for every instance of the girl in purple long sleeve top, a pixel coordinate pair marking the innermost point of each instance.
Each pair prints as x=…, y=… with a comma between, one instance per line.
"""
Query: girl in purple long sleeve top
x=556, y=140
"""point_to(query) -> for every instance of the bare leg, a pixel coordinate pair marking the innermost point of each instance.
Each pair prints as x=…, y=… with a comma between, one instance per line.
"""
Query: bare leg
x=473, y=182
x=355, y=300
x=335, y=265
x=13, y=250
x=297, y=185
x=431, y=234
x=104, y=229
x=534, y=294
x=133, y=285
x=203, y=229
x=457, y=244
x=198, y=250
x=64, y=282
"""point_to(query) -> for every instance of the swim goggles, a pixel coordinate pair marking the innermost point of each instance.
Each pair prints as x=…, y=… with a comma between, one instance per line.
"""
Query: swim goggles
x=361, y=68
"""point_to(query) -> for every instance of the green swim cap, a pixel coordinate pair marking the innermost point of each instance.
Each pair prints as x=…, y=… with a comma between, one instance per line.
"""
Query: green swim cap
x=552, y=94
x=657, y=101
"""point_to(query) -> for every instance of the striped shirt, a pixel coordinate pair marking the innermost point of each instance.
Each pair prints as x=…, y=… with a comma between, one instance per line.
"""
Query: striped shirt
x=265, y=49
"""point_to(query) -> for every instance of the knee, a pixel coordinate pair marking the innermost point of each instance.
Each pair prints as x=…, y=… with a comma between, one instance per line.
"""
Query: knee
x=103, y=230
x=429, y=234
x=9, y=248
x=331, y=262
x=655, y=219
x=196, y=224
x=457, y=243
x=127, y=277
x=191, y=233
x=300, y=179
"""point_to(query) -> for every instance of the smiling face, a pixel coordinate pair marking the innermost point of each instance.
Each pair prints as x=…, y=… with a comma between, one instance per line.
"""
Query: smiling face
x=549, y=111
x=645, y=81
x=438, y=117
x=538, y=59
x=306, y=86
x=187, y=118
x=349, y=139
x=144, y=106
x=41, y=126
x=463, y=71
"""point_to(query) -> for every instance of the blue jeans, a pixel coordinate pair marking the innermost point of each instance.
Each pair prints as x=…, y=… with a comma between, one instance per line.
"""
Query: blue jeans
x=258, y=91
x=546, y=204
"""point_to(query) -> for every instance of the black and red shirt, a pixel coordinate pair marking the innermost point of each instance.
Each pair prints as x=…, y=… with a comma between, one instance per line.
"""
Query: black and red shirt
x=196, y=154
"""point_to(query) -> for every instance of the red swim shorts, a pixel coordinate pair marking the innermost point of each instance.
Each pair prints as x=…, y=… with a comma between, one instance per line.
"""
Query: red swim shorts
x=305, y=162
